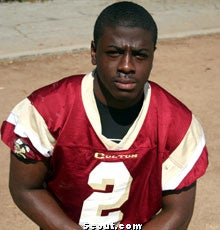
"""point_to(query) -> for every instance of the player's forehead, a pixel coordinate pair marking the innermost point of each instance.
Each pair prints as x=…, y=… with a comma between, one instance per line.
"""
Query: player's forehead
x=121, y=36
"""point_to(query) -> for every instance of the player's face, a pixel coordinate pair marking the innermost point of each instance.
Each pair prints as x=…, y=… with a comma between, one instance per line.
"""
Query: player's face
x=123, y=57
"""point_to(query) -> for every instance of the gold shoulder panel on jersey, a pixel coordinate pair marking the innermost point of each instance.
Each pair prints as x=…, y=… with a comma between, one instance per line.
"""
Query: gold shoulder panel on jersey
x=183, y=158
x=30, y=124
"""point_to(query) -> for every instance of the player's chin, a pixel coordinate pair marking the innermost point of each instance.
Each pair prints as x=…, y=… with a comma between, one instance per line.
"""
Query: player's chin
x=126, y=96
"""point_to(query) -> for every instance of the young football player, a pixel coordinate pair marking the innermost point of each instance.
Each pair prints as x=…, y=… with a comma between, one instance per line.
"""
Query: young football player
x=107, y=147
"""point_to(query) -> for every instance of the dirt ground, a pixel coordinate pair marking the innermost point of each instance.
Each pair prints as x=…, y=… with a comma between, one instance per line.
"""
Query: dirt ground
x=188, y=68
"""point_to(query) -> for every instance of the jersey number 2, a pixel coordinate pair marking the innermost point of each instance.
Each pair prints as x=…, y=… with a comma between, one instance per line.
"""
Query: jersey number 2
x=106, y=173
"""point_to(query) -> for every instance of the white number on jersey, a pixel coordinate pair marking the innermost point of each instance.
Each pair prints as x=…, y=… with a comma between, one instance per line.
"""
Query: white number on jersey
x=106, y=173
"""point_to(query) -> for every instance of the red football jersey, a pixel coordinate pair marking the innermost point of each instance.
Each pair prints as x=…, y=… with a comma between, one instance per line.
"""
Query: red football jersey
x=98, y=181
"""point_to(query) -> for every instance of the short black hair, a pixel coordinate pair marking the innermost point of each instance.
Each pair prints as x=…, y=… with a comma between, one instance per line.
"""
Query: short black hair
x=126, y=14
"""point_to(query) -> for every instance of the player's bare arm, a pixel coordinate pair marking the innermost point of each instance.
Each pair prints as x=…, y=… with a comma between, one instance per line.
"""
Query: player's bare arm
x=26, y=187
x=177, y=210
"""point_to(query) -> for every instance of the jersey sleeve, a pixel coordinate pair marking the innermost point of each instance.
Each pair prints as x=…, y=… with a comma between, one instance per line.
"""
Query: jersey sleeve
x=188, y=161
x=34, y=124
x=26, y=132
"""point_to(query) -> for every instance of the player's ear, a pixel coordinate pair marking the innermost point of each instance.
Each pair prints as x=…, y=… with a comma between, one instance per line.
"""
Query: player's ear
x=93, y=53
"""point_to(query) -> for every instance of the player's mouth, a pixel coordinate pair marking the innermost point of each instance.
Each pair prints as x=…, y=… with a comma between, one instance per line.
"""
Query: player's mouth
x=127, y=84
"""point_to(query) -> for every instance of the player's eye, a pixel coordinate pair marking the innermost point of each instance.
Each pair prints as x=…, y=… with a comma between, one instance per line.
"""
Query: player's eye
x=113, y=53
x=141, y=56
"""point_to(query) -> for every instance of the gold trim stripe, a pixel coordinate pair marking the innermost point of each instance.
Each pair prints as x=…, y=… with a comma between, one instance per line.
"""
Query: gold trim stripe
x=182, y=160
x=29, y=124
